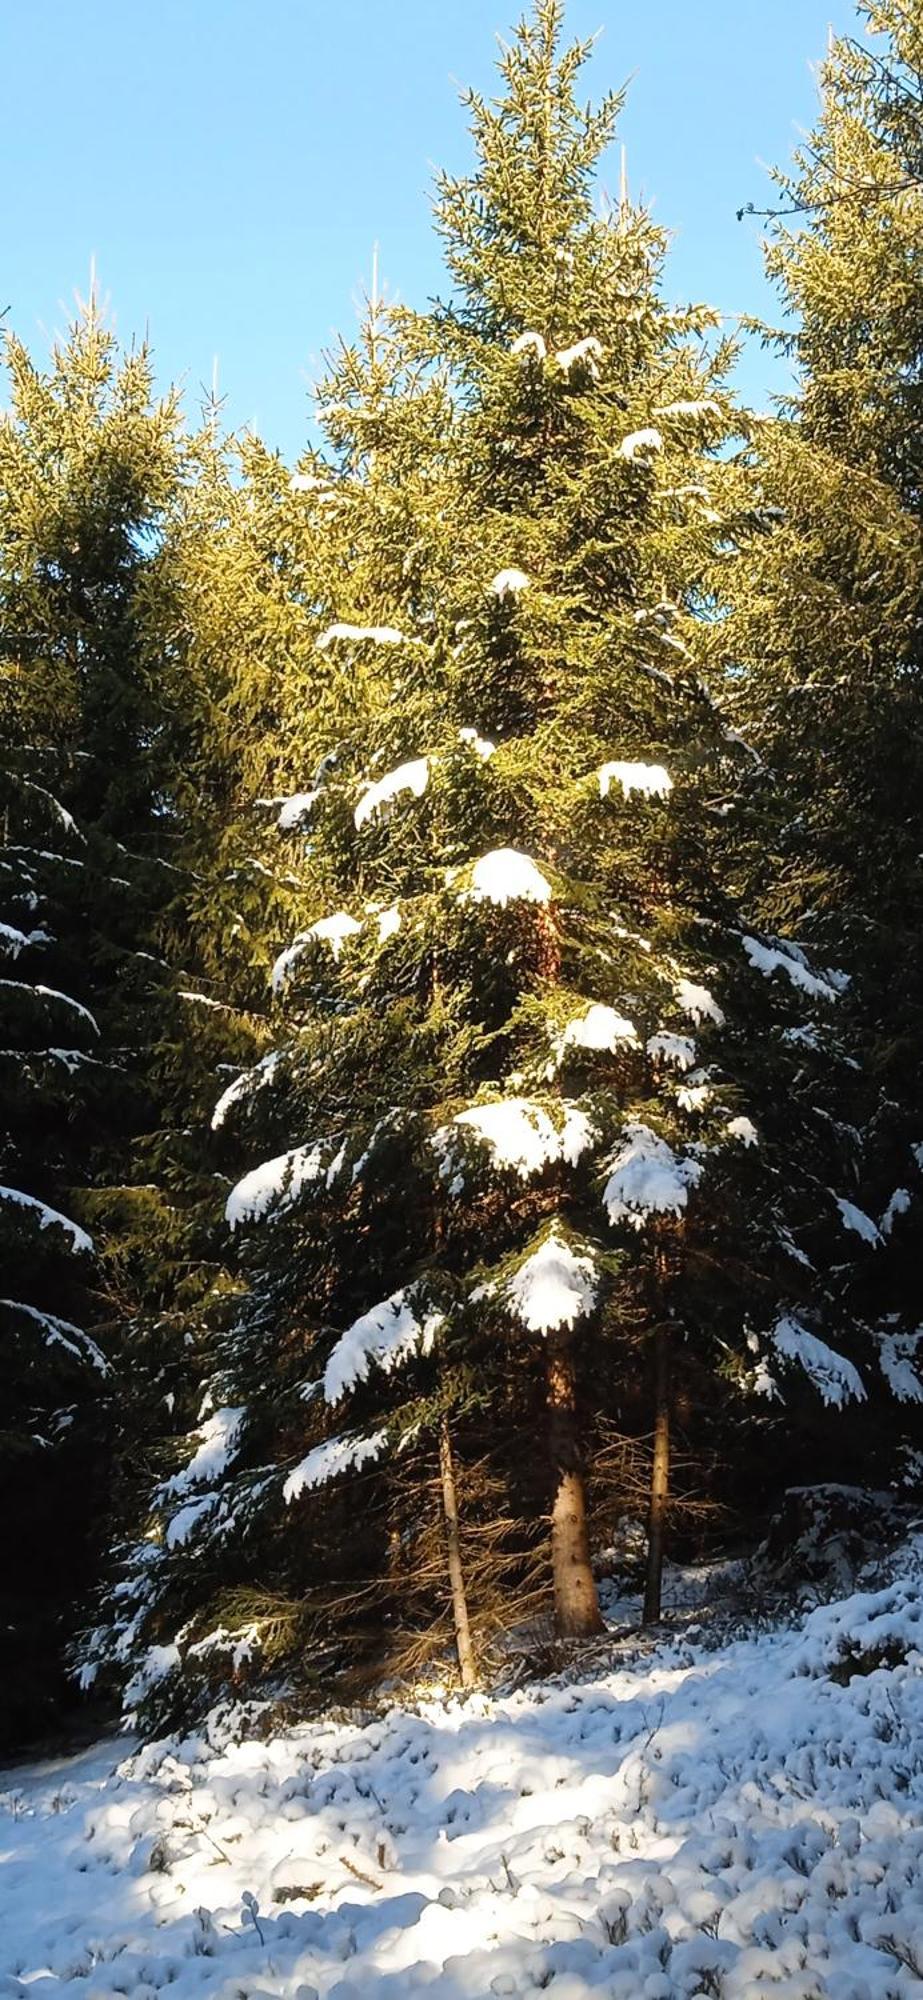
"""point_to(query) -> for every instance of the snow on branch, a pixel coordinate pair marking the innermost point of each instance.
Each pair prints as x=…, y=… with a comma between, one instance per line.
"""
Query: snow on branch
x=790, y=959
x=647, y=1178
x=520, y=1136
x=275, y=1183
x=377, y=635
x=652, y=780
x=509, y=583
x=49, y=1218
x=598, y=1027
x=646, y=440
x=332, y=931
x=386, y=1335
x=218, y=1438
x=554, y=1287
x=328, y=1460
x=61, y=1333
x=833, y=1376
x=411, y=777
x=506, y=876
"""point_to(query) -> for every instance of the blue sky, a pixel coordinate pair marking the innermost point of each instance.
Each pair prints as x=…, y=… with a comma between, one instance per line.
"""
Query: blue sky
x=230, y=163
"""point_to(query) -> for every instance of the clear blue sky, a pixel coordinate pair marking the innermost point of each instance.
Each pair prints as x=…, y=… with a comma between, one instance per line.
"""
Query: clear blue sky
x=230, y=163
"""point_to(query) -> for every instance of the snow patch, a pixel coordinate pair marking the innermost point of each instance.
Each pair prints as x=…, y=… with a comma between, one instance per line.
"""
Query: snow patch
x=521, y=1135
x=218, y=1438
x=645, y=440
x=49, y=1218
x=856, y=1219
x=529, y=343
x=676, y=1050
x=588, y=350
x=600, y=1028
x=697, y=1002
x=481, y=745
x=509, y=583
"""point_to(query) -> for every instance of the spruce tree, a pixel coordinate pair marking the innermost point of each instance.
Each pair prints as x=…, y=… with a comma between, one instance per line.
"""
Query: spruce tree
x=824, y=629
x=536, y=1083
x=90, y=462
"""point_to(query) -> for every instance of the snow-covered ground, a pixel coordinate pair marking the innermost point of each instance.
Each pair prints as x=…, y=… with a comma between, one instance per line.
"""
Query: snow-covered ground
x=699, y=1820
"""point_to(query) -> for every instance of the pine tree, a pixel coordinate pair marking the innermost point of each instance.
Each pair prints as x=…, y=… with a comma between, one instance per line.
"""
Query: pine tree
x=536, y=1084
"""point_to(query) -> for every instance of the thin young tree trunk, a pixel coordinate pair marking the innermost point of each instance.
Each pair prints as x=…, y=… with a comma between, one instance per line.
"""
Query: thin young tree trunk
x=576, y=1604
x=660, y=1478
x=463, y=1644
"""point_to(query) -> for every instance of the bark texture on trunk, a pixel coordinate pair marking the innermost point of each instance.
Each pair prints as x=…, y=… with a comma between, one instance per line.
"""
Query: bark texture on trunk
x=576, y=1604
x=463, y=1645
x=660, y=1479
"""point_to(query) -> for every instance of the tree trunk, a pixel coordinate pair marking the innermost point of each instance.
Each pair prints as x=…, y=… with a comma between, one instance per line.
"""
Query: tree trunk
x=463, y=1644
x=660, y=1478
x=576, y=1605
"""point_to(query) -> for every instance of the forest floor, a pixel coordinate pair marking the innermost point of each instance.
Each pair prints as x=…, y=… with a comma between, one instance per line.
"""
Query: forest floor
x=728, y=1812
